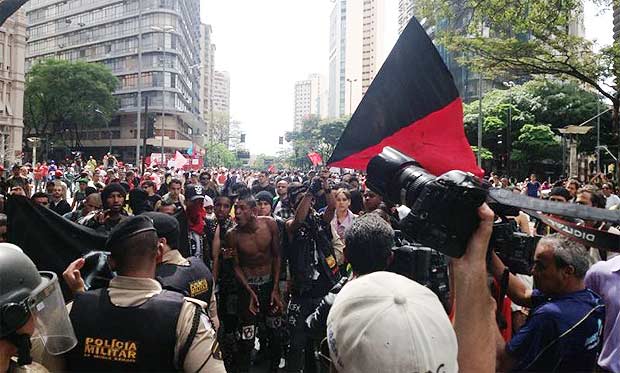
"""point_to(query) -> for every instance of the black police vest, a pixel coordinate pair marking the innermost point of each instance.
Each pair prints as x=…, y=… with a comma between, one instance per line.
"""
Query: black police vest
x=124, y=339
x=194, y=280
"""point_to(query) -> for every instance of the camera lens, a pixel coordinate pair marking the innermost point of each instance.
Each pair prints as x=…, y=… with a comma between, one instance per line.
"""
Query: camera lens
x=391, y=172
x=413, y=179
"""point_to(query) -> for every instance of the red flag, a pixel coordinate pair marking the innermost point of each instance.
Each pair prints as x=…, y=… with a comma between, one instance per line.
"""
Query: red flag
x=413, y=106
x=272, y=169
x=315, y=158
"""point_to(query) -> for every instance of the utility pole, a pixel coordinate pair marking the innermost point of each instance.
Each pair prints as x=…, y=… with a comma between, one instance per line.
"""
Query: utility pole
x=351, y=94
x=598, y=135
x=164, y=30
x=139, y=103
x=146, y=131
x=163, y=102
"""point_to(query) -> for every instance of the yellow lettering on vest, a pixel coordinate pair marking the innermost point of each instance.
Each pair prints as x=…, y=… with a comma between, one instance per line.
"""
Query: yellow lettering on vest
x=114, y=349
x=198, y=287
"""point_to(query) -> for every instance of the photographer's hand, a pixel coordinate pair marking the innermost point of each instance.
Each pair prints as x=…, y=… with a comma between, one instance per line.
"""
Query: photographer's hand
x=474, y=319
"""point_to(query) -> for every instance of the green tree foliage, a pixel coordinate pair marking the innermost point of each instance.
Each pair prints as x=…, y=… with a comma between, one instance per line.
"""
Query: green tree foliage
x=485, y=154
x=550, y=102
x=315, y=136
x=217, y=155
x=63, y=98
x=535, y=142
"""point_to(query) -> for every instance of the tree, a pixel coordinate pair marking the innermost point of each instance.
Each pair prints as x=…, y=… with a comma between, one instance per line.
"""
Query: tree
x=63, y=98
x=523, y=38
x=315, y=136
x=542, y=101
x=217, y=155
x=536, y=142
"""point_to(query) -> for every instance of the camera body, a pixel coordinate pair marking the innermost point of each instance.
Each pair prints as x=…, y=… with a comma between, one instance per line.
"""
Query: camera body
x=423, y=265
x=514, y=248
x=443, y=212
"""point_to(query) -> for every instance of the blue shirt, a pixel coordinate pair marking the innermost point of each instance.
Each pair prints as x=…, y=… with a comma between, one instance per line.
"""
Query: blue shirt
x=533, y=345
x=532, y=188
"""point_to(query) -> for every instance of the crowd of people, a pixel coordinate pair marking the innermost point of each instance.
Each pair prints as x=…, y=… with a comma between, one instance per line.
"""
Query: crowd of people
x=290, y=270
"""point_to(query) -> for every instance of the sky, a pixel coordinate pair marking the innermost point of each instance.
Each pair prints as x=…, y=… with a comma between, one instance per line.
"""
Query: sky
x=268, y=45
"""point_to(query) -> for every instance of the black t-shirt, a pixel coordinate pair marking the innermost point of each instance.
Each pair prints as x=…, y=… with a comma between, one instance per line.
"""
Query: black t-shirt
x=14, y=181
x=257, y=188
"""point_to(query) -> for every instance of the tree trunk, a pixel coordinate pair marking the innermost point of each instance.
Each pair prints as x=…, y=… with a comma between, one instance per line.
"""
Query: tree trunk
x=616, y=124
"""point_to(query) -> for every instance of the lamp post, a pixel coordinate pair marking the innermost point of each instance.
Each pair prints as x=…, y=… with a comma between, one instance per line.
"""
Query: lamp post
x=165, y=30
x=509, y=85
x=35, y=142
x=107, y=125
x=139, y=103
x=351, y=94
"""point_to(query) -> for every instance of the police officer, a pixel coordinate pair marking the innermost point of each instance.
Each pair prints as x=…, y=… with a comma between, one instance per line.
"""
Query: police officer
x=30, y=303
x=190, y=276
x=135, y=325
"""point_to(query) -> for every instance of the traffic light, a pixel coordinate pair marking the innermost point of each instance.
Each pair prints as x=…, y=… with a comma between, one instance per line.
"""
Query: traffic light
x=281, y=140
x=242, y=138
x=150, y=126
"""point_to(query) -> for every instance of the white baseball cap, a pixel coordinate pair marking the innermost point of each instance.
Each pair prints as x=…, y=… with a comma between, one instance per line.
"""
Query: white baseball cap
x=384, y=322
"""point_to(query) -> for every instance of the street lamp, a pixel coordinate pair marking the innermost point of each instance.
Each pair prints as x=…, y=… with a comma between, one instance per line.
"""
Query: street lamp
x=351, y=94
x=35, y=142
x=509, y=85
x=165, y=30
x=107, y=125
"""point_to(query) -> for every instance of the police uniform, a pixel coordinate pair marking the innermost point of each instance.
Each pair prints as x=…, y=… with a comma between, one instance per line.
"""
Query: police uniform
x=135, y=325
x=190, y=277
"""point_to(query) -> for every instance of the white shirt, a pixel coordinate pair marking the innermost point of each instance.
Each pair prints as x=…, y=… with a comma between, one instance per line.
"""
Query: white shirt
x=611, y=201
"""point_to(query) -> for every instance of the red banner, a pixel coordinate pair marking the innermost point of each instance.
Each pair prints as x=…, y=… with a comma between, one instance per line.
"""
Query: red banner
x=315, y=158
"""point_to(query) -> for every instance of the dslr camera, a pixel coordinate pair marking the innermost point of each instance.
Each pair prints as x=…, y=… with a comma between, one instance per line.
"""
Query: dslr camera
x=443, y=212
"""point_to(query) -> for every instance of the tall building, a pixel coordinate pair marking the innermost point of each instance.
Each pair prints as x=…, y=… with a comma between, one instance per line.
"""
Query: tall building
x=108, y=32
x=12, y=52
x=207, y=72
x=405, y=12
x=355, y=47
x=220, y=129
x=235, y=132
x=310, y=99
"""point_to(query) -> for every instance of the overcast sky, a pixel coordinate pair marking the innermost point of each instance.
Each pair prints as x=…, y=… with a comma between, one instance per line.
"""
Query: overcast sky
x=267, y=45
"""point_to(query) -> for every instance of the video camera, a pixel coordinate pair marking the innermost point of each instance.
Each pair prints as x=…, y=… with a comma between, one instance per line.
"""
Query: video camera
x=422, y=264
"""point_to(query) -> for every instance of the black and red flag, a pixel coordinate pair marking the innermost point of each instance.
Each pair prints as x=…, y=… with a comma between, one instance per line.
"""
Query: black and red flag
x=412, y=105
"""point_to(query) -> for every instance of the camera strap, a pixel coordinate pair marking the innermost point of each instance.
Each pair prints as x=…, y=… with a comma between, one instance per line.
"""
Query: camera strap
x=573, y=210
x=585, y=235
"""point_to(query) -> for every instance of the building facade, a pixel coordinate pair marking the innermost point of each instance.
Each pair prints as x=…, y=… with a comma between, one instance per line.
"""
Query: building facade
x=310, y=99
x=12, y=57
x=355, y=45
x=405, y=12
x=108, y=32
x=207, y=72
x=219, y=131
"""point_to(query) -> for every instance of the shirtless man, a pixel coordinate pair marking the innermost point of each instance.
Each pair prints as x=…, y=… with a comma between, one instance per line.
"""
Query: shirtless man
x=257, y=267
